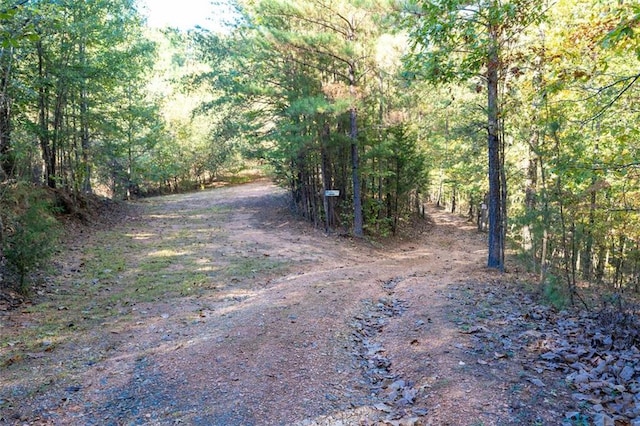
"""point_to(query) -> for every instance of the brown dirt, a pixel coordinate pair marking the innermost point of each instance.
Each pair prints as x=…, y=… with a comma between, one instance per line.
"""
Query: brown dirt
x=324, y=330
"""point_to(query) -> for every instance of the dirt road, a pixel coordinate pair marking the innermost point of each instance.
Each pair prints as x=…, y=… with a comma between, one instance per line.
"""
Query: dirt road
x=220, y=308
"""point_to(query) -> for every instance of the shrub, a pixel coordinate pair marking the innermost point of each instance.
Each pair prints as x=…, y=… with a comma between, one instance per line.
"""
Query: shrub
x=554, y=293
x=29, y=232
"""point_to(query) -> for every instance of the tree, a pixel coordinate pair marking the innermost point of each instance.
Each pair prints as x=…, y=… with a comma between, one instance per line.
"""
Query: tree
x=458, y=40
x=313, y=83
x=15, y=27
x=334, y=37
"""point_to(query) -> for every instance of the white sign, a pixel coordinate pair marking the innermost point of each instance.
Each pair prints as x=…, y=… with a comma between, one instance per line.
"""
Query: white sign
x=332, y=193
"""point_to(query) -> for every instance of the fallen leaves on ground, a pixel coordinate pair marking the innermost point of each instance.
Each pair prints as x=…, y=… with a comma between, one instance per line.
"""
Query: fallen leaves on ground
x=594, y=352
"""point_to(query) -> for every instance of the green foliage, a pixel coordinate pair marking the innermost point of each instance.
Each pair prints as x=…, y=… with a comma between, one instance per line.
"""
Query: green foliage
x=91, y=101
x=555, y=293
x=455, y=146
x=625, y=34
x=454, y=41
x=96, y=101
x=298, y=86
x=451, y=39
x=567, y=122
x=29, y=234
x=398, y=176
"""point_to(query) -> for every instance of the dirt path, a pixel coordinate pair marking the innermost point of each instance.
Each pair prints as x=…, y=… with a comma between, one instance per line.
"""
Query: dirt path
x=220, y=308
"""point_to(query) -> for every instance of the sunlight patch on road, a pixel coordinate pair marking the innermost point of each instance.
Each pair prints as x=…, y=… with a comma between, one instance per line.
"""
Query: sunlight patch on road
x=412, y=254
x=206, y=266
x=163, y=216
x=168, y=253
x=141, y=236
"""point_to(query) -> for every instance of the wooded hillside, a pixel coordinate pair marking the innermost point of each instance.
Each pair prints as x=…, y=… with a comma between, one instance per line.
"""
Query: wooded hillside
x=519, y=114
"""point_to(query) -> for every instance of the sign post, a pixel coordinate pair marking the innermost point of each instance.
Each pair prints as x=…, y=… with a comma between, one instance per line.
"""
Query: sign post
x=328, y=204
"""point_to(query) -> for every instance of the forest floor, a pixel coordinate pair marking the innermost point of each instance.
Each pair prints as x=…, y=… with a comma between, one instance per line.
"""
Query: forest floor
x=221, y=308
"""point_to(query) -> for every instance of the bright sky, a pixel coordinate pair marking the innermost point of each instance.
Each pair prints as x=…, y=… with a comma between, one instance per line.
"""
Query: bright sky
x=183, y=14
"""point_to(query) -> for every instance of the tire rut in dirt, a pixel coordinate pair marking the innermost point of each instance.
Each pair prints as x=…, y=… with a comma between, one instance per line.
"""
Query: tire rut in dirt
x=391, y=394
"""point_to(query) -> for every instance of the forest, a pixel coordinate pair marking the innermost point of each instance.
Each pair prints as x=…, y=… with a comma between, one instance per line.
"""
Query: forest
x=518, y=114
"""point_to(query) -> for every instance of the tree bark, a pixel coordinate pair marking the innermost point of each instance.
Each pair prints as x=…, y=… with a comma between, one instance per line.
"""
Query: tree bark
x=496, y=232
x=6, y=156
x=84, y=125
x=358, y=222
x=48, y=154
x=326, y=175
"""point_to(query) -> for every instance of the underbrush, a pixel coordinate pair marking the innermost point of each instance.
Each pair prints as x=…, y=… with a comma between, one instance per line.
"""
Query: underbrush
x=29, y=233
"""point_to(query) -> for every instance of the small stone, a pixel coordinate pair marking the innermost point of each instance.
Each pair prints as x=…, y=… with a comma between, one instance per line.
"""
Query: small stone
x=627, y=373
x=536, y=382
x=382, y=407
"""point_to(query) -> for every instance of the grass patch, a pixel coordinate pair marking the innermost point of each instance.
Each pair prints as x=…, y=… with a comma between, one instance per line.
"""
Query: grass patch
x=162, y=286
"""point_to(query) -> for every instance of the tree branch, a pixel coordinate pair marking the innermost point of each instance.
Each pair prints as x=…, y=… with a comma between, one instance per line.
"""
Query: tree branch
x=618, y=96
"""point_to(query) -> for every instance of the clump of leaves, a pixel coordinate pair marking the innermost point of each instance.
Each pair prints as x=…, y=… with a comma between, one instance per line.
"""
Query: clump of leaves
x=29, y=232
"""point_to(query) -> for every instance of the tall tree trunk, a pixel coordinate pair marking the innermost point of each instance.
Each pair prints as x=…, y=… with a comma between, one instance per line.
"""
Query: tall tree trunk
x=358, y=222
x=129, y=145
x=57, y=171
x=453, y=199
x=48, y=154
x=587, y=254
x=531, y=191
x=6, y=156
x=472, y=202
x=326, y=174
x=496, y=232
x=619, y=262
x=84, y=126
